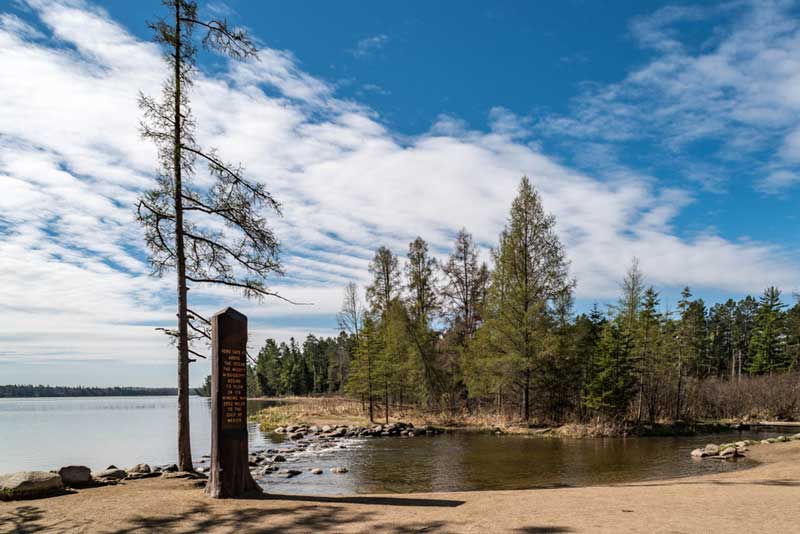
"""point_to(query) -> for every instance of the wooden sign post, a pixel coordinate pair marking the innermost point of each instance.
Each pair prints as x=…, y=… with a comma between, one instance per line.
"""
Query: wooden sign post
x=230, y=471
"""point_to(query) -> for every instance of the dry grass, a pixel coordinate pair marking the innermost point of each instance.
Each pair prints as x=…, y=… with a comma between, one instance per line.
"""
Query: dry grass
x=341, y=410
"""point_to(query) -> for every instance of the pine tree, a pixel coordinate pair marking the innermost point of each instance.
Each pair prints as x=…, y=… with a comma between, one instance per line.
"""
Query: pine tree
x=423, y=300
x=385, y=285
x=361, y=378
x=744, y=324
x=722, y=353
x=614, y=382
x=464, y=290
x=530, y=276
x=172, y=214
x=648, y=349
x=768, y=343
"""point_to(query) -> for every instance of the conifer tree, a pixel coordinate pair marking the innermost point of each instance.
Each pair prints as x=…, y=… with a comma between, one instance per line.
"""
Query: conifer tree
x=530, y=277
x=465, y=283
x=385, y=285
x=614, y=382
x=768, y=344
x=242, y=256
x=361, y=378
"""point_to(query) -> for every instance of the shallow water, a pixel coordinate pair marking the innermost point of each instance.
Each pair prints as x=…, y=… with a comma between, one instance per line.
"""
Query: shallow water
x=98, y=431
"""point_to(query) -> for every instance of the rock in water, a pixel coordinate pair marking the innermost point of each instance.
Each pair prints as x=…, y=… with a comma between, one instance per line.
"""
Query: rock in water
x=729, y=452
x=26, y=484
x=698, y=453
x=712, y=449
x=316, y=471
x=338, y=470
x=75, y=475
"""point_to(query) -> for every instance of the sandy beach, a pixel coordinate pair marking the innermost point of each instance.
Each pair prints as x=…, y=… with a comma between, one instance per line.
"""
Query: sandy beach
x=764, y=497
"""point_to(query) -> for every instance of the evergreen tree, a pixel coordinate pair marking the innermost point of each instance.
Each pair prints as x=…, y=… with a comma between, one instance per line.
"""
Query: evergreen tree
x=385, y=285
x=175, y=214
x=722, y=354
x=423, y=300
x=466, y=281
x=614, y=382
x=360, y=380
x=744, y=324
x=531, y=274
x=768, y=343
x=587, y=331
x=268, y=372
x=648, y=351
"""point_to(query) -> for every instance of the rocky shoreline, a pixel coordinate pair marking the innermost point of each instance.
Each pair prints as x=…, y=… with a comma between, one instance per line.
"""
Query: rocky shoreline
x=309, y=438
x=36, y=484
x=303, y=438
x=730, y=451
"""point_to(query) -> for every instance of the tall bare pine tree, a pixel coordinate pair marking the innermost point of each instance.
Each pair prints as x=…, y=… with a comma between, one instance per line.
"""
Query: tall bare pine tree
x=245, y=251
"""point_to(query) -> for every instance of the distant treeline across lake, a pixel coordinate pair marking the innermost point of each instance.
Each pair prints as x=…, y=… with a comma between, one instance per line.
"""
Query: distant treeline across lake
x=19, y=390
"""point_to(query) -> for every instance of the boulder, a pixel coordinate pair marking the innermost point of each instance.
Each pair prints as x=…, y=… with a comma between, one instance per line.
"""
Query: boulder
x=781, y=439
x=796, y=437
x=296, y=435
x=712, y=449
x=338, y=470
x=326, y=428
x=289, y=473
x=75, y=475
x=278, y=458
x=316, y=471
x=29, y=484
x=140, y=469
x=699, y=453
x=729, y=452
x=110, y=475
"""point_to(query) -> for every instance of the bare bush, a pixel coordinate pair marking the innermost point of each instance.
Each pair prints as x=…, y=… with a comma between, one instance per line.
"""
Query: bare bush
x=775, y=397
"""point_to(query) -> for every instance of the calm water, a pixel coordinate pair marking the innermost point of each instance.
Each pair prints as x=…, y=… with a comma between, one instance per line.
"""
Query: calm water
x=48, y=433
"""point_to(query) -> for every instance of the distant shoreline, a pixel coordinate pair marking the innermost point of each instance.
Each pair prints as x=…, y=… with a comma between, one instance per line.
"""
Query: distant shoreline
x=20, y=391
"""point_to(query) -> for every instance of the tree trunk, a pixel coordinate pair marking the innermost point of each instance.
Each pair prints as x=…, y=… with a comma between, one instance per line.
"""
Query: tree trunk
x=369, y=389
x=680, y=384
x=184, y=443
x=386, y=400
x=526, y=396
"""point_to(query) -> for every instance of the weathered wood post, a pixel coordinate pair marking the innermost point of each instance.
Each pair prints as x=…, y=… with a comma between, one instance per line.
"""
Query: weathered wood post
x=230, y=471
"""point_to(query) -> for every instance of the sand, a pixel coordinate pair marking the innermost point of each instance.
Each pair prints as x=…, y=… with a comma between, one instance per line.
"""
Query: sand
x=765, y=498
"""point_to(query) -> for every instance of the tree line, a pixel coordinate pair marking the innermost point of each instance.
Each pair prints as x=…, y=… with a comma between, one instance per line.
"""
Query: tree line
x=461, y=334
x=30, y=390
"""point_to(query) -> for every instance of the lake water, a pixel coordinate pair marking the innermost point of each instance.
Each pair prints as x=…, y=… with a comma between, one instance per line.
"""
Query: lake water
x=97, y=431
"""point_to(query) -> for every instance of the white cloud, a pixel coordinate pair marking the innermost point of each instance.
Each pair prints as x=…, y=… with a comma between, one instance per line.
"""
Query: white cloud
x=369, y=46
x=72, y=165
x=733, y=95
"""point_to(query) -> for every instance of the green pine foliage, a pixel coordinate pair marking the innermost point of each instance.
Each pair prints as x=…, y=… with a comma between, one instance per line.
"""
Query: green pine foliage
x=614, y=378
x=459, y=335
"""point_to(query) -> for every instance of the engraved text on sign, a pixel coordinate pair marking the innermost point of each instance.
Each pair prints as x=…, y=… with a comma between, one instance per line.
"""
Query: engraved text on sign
x=233, y=388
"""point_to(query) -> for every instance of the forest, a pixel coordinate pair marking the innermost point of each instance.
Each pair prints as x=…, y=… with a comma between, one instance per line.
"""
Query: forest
x=461, y=335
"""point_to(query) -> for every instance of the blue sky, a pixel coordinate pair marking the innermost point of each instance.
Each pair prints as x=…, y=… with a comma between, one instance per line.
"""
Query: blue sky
x=665, y=131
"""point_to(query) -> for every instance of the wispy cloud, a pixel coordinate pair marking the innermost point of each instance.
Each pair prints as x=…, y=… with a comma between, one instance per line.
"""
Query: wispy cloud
x=731, y=95
x=71, y=165
x=369, y=46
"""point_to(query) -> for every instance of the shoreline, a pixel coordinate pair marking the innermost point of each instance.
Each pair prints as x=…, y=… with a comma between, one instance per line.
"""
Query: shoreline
x=333, y=411
x=765, y=494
